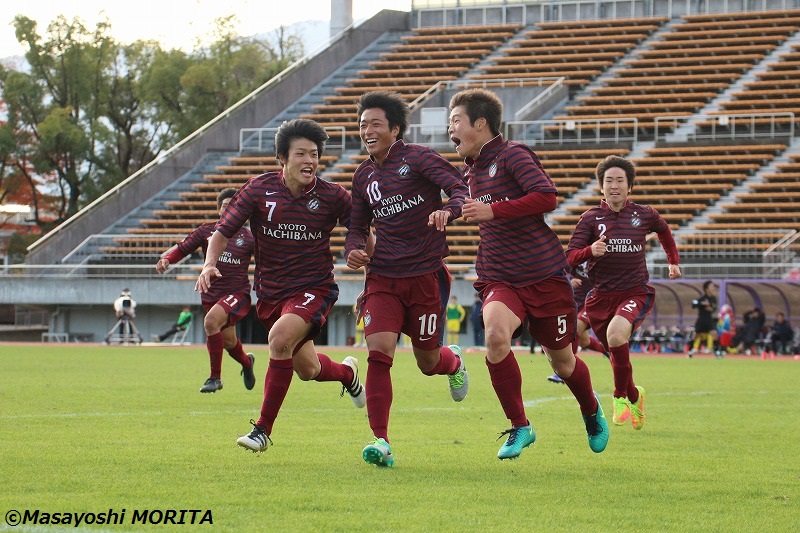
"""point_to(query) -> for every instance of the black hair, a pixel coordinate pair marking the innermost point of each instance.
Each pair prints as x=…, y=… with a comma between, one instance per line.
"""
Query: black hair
x=480, y=103
x=616, y=161
x=393, y=105
x=224, y=194
x=299, y=128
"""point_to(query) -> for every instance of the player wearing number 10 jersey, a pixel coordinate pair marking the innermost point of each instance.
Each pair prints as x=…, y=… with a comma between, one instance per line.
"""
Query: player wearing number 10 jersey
x=399, y=189
x=292, y=214
x=228, y=302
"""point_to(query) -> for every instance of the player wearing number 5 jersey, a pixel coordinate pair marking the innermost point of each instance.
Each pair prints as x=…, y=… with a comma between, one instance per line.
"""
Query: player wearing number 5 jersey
x=612, y=237
x=292, y=214
x=399, y=189
x=228, y=302
x=521, y=265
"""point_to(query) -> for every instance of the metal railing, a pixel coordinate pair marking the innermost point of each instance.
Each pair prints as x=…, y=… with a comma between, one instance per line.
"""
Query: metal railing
x=781, y=254
x=599, y=130
x=482, y=12
x=264, y=139
x=190, y=270
x=727, y=126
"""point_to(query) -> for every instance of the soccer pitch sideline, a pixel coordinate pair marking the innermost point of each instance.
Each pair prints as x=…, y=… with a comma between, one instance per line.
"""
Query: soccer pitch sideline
x=106, y=431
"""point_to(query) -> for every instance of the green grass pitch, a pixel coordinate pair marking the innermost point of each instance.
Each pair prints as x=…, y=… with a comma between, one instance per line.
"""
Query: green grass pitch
x=92, y=428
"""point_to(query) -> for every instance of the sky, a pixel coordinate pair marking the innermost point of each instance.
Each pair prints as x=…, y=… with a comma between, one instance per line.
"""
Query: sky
x=177, y=23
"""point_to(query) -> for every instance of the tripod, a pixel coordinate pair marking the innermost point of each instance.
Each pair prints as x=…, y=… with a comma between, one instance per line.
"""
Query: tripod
x=124, y=332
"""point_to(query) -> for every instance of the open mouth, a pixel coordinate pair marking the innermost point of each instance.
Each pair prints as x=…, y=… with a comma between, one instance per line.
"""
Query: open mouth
x=456, y=141
x=307, y=172
x=370, y=142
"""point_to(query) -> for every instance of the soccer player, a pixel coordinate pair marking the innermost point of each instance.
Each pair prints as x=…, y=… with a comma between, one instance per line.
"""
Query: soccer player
x=520, y=265
x=705, y=327
x=613, y=238
x=292, y=213
x=581, y=285
x=399, y=189
x=229, y=301
x=455, y=315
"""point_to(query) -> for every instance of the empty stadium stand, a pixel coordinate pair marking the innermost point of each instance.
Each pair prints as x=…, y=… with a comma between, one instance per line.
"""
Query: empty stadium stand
x=684, y=68
x=423, y=58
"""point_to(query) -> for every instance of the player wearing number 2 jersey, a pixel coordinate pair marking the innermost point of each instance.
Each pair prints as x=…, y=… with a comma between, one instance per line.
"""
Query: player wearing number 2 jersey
x=612, y=237
x=521, y=265
x=228, y=302
x=399, y=189
x=292, y=214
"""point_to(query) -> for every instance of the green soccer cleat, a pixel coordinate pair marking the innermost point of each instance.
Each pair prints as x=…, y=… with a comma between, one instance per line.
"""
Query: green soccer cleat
x=597, y=428
x=622, y=411
x=518, y=439
x=459, y=382
x=378, y=453
x=637, y=410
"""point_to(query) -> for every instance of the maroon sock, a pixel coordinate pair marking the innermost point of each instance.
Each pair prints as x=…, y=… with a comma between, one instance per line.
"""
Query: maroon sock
x=580, y=383
x=237, y=352
x=276, y=385
x=448, y=363
x=379, y=393
x=333, y=371
x=596, y=345
x=621, y=366
x=214, y=343
x=507, y=382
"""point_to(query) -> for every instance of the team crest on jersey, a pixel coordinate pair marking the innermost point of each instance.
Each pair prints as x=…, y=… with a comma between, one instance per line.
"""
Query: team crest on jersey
x=313, y=203
x=367, y=319
x=240, y=241
x=493, y=170
x=636, y=221
x=405, y=169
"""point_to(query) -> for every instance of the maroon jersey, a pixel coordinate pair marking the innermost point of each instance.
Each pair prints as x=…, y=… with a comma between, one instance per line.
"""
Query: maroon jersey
x=292, y=234
x=579, y=294
x=233, y=263
x=623, y=266
x=398, y=197
x=518, y=251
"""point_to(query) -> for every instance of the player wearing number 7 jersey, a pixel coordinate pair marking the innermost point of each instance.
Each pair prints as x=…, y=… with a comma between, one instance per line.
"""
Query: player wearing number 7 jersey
x=612, y=237
x=292, y=214
x=399, y=189
x=229, y=302
x=521, y=265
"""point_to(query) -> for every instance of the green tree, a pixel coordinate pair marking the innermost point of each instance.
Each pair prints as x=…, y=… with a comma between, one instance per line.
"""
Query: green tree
x=90, y=111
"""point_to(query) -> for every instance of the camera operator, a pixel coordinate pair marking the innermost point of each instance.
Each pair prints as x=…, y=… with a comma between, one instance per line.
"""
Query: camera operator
x=125, y=305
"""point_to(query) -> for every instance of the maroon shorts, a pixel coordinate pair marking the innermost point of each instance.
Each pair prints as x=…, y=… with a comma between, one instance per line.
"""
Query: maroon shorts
x=414, y=306
x=582, y=316
x=236, y=305
x=546, y=307
x=633, y=305
x=312, y=306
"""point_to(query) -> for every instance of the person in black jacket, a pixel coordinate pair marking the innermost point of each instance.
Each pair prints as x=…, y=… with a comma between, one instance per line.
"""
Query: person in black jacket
x=746, y=337
x=781, y=335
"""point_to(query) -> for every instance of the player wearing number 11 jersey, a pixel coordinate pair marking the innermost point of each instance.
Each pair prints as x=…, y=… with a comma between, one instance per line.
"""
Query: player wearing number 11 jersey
x=228, y=302
x=612, y=237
